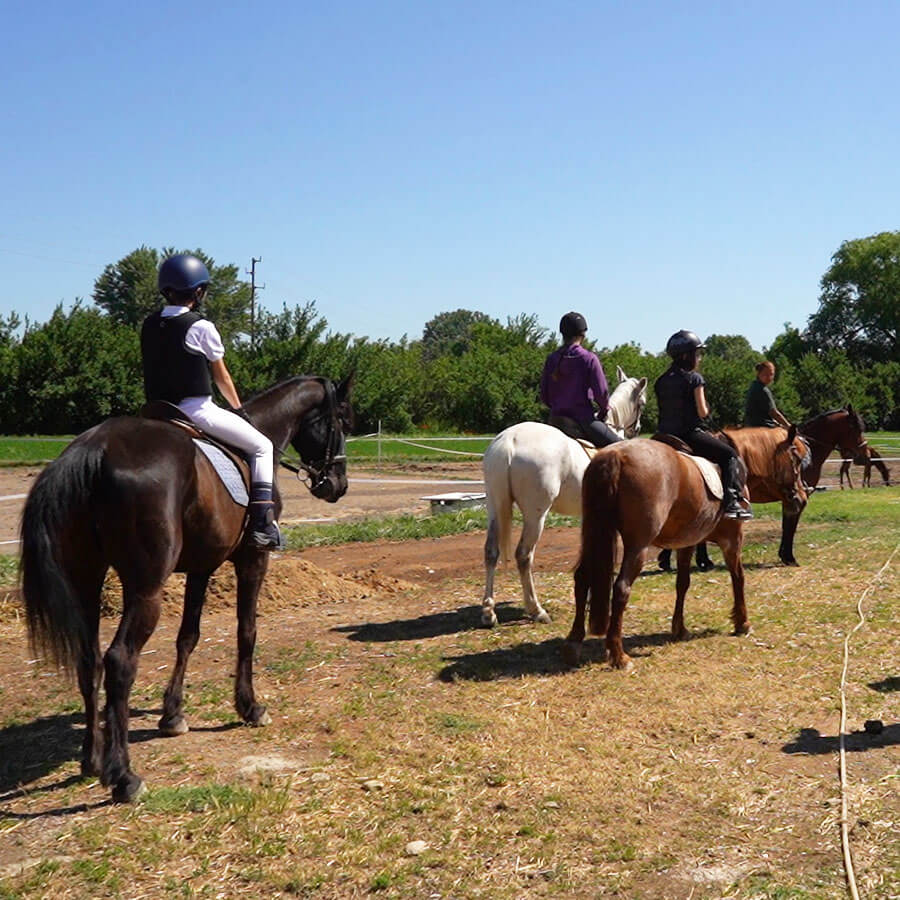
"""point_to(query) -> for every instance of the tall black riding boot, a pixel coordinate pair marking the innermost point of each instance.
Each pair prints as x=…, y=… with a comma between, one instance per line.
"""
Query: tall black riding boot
x=733, y=489
x=264, y=531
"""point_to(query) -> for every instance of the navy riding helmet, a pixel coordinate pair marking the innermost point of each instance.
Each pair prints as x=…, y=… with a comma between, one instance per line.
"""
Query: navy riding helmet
x=182, y=272
x=683, y=342
x=572, y=324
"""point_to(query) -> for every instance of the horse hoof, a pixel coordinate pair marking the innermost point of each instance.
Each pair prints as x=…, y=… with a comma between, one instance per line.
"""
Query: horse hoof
x=173, y=727
x=705, y=566
x=681, y=635
x=624, y=664
x=543, y=618
x=91, y=768
x=260, y=718
x=128, y=788
x=489, y=619
x=571, y=653
x=789, y=562
x=741, y=630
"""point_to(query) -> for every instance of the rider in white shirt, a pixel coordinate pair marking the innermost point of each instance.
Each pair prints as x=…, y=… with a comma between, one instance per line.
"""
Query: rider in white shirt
x=180, y=350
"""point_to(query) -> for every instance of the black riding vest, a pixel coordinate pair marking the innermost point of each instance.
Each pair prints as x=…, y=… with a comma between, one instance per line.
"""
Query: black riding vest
x=677, y=406
x=171, y=371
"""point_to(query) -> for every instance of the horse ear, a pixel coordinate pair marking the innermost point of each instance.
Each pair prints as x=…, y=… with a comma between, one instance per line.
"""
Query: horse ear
x=850, y=408
x=620, y=374
x=642, y=383
x=343, y=389
x=792, y=433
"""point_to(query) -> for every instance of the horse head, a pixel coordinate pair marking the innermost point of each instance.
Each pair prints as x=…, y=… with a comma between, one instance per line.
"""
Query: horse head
x=792, y=456
x=320, y=440
x=626, y=404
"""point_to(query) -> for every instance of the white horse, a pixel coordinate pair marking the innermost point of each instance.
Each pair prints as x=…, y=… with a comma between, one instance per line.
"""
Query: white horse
x=538, y=468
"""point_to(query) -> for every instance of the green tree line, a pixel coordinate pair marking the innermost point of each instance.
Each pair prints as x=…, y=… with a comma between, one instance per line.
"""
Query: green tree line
x=467, y=372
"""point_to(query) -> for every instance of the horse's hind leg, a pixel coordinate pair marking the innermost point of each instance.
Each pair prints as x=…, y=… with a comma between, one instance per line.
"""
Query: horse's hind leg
x=250, y=568
x=632, y=562
x=491, y=558
x=731, y=543
x=139, y=618
x=571, y=650
x=682, y=583
x=90, y=671
x=172, y=721
x=532, y=529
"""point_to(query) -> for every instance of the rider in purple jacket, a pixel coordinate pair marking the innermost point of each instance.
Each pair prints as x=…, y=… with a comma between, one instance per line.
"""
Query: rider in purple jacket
x=572, y=378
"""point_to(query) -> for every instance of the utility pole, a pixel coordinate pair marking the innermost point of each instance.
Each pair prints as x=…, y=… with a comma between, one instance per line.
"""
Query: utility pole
x=253, y=289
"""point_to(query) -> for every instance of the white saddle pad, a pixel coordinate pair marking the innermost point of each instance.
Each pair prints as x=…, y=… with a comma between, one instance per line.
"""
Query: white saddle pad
x=710, y=473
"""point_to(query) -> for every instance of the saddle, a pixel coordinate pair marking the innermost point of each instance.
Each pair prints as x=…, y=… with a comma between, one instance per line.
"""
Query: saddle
x=710, y=471
x=230, y=463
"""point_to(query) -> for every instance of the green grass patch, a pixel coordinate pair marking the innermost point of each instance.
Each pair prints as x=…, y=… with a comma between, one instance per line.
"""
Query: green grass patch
x=9, y=570
x=31, y=451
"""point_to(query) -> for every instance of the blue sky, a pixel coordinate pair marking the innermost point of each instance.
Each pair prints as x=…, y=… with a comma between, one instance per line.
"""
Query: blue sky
x=653, y=165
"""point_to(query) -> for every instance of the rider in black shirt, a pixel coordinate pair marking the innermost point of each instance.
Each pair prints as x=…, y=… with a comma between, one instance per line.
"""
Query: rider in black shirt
x=682, y=408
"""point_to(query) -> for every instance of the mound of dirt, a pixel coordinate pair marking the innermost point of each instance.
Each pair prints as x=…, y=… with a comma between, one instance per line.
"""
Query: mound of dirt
x=291, y=582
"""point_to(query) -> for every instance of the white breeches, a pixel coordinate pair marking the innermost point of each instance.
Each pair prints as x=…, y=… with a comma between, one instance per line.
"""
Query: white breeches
x=232, y=429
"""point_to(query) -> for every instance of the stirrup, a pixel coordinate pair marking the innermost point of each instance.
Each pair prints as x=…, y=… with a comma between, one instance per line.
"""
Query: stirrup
x=268, y=539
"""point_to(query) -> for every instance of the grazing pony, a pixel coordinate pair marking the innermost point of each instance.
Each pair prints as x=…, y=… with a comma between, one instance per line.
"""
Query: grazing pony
x=651, y=494
x=867, y=458
x=538, y=468
x=139, y=496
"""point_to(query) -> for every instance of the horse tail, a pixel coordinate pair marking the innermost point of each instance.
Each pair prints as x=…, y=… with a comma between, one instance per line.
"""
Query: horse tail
x=599, y=527
x=57, y=621
x=499, y=499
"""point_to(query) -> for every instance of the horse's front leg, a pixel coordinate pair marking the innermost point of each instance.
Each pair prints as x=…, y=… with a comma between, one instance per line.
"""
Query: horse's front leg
x=532, y=528
x=731, y=543
x=789, y=522
x=682, y=583
x=250, y=568
x=172, y=722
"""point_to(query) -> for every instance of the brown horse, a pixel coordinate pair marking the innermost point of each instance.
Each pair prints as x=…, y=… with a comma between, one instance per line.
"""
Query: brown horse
x=650, y=494
x=839, y=428
x=137, y=495
x=867, y=458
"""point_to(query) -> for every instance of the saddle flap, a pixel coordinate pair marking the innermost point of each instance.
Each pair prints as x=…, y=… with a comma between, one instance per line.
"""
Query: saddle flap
x=712, y=477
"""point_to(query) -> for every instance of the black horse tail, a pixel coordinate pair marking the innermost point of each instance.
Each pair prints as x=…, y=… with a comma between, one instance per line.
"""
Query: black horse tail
x=599, y=526
x=58, y=507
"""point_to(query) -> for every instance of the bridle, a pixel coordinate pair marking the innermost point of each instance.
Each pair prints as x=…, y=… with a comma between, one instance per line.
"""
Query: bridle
x=313, y=474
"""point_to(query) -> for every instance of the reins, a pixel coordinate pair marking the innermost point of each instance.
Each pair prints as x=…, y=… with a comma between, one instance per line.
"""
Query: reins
x=317, y=471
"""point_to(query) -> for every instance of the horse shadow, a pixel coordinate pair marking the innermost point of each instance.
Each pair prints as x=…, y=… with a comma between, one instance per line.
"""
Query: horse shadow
x=812, y=742
x=467, y=618
x=36, y=749
x=544, y=658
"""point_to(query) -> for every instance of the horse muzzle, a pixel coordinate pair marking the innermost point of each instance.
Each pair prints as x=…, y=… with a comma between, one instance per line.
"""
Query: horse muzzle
x=331, y=488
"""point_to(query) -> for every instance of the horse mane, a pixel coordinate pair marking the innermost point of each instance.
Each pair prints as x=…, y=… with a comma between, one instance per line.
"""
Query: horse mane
x=816, y=420
x=278, y=386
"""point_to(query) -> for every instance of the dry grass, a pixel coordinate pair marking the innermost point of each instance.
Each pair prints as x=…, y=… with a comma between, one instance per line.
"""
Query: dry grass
x=709, y=772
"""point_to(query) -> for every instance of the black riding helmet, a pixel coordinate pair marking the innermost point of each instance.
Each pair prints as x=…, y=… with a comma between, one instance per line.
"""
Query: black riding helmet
x=683, y=342
x=182, y=272
x=572, y=324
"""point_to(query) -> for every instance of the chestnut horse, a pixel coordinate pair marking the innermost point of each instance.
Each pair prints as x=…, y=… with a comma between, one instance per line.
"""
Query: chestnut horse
x=838, y=428
x=651, y=494
x=137, y=495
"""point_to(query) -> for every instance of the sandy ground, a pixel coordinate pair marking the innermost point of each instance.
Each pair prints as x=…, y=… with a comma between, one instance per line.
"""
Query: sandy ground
x=371, y=493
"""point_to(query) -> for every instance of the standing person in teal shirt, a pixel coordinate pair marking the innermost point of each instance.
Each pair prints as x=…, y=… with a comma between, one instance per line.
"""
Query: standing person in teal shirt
x=760, y=410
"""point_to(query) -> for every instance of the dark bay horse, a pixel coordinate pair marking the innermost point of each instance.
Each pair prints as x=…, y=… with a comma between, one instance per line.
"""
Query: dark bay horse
x=838, y=428
x=650, y=494
x=137, y=495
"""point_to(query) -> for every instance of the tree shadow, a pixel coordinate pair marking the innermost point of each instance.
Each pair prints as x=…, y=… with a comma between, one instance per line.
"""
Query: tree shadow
x=544, y=658
x=811, y=742
x=468, y=618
